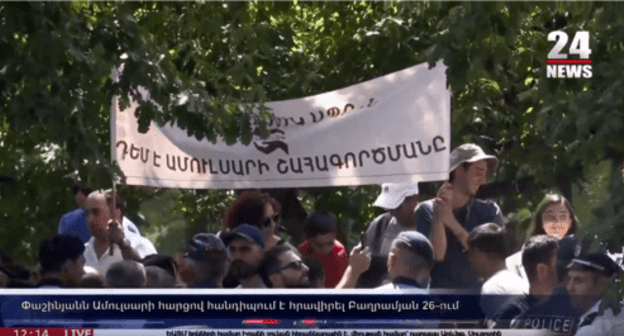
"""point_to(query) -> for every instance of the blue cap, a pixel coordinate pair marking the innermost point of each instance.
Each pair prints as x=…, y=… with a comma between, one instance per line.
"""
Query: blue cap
x=418, y=243
x=249, y=232
x=205, y=246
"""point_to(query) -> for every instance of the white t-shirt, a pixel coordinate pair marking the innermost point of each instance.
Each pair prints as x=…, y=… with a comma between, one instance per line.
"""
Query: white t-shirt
x=514, y=264
x=503, y=283
x=140, y=244
x=392, y=288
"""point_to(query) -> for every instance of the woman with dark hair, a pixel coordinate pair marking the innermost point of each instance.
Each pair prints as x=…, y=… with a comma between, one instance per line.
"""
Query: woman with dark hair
x=257, y=209
x=554, y=217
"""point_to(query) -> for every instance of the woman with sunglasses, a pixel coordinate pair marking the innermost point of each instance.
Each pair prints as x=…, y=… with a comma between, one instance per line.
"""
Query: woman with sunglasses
x=254, y=208
x=554, y=217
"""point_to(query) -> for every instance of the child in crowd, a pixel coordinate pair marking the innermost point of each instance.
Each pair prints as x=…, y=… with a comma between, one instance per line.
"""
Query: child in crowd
x=321, y=229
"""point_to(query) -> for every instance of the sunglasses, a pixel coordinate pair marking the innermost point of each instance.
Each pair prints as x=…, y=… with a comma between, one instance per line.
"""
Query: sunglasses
x=296, y=265
x=268, y=221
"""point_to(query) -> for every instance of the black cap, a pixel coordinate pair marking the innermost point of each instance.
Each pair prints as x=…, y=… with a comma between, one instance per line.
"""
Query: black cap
x=595, y=262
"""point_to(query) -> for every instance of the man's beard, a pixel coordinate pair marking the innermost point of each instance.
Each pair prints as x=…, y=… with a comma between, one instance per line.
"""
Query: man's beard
x=242, y=270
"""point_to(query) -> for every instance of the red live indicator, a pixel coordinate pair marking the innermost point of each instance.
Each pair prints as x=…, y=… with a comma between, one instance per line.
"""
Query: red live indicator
x=562, y=61
x=261, y=321
x=45, y=332
x=309, y=322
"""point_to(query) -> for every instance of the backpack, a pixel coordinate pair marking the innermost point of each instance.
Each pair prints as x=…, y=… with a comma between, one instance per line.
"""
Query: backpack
x=380, y=228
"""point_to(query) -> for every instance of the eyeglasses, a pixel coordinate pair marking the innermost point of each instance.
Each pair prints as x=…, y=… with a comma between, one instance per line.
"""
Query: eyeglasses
x=296, y=265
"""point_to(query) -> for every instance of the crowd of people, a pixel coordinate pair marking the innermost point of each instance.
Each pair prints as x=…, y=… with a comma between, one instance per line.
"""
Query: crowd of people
x=453, y=243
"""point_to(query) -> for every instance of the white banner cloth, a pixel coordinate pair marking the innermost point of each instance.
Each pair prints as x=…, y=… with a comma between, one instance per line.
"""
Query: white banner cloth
x=390, y=129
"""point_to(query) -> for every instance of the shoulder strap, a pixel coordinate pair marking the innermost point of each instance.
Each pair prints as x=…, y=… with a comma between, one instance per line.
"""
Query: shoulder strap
x=382, y=224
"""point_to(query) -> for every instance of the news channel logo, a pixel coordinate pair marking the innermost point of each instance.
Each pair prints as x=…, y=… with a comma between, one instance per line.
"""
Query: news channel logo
x=560, y=65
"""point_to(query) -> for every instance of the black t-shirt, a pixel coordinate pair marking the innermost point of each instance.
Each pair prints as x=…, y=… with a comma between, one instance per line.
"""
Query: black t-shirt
x=516, y=306
x=555, y=314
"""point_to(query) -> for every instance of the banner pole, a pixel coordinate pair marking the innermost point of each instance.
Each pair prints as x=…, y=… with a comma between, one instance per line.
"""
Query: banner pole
x=113, y=128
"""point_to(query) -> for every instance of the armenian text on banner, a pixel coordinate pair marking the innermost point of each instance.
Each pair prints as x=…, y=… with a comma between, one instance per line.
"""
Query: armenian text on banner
x=390, y=129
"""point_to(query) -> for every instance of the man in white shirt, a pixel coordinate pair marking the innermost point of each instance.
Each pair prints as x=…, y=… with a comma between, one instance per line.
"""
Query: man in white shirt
x=107, y=233
x=486, y=256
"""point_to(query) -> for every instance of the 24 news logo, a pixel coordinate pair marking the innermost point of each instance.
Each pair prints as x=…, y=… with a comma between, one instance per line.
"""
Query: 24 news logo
x=558, y=64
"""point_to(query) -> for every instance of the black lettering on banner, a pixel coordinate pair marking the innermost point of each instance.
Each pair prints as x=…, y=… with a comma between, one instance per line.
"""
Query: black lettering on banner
x=435, y=144
x=301, y=121
x=413, y=155
x=307, y=161
x=262, y=164
x=346, y=160
x=336, y=161
x=281, y=162
x=276, y=120
x=314, y=116
x=285, y=122
x=333, y=112
x=144, y=159
x=223, y=171
x=247, y=165
x=185, y=164
x=298, y=170
x=240, y=171
x=125, y=150
x=156, y=156
x=208, y=163
x=198, y=166
x=132, y=152
x=346, y=110
x=376, y=152
x=421, y=149
x=370, y=102
x=318, y=166
x=398, y=147
x=171, y=166
x=360, y=156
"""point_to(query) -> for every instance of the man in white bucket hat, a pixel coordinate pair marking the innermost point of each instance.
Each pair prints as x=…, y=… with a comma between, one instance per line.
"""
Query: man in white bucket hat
x=447, y=219
x=400, y=201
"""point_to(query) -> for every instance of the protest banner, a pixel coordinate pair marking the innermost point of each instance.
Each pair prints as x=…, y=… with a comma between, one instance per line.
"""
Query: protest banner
x=390, y=129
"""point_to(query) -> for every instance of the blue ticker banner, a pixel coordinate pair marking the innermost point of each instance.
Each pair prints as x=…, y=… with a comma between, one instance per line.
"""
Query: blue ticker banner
x=137, y=310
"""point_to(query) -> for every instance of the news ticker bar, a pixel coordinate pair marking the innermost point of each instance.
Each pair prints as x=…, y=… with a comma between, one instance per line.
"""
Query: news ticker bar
x=167, y=308
x=260, y=332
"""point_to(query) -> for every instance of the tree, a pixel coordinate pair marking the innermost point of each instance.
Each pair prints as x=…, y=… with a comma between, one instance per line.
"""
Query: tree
x=56, y=87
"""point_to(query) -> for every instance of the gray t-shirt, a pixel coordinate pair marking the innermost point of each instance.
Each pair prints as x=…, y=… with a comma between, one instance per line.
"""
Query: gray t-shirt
x=387, y=236
x=454, y=272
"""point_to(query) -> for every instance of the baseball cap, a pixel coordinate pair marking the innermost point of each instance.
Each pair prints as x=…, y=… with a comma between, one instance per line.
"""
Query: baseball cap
x=205, y=246
x=246, y=231
x=471, y=153
x=595, y=262
x=418, y=243
x=393, y=194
